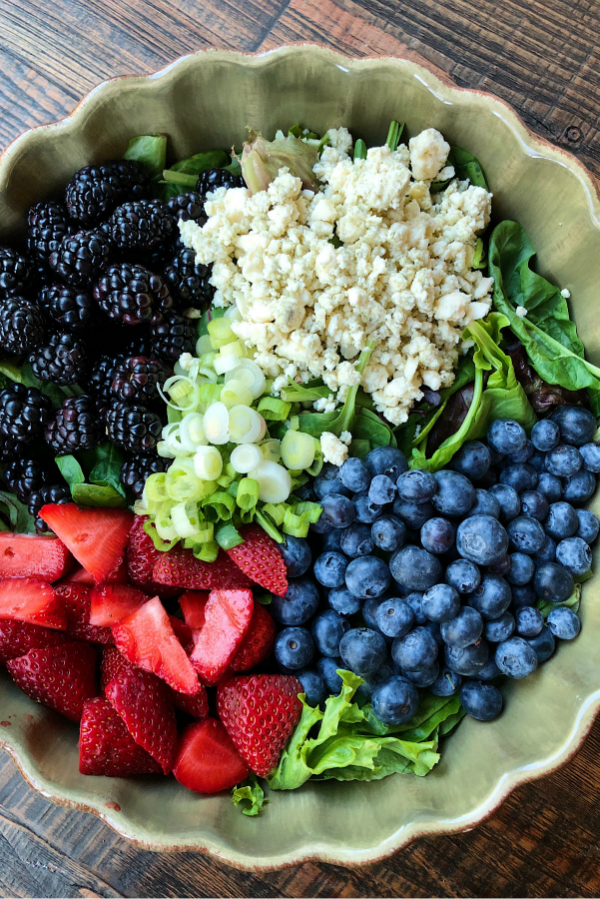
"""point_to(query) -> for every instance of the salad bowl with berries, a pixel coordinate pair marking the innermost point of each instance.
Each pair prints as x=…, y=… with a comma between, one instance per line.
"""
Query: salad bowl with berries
x=299, y=454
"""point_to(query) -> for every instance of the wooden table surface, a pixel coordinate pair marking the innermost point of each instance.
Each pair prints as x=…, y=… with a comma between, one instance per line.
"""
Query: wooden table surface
x=541, y=56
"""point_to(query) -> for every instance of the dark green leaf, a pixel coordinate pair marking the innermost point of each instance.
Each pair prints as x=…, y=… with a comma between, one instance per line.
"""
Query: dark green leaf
x=394, y=134
x=106, y=471
x=21, y=522
x=250, y=795
x=92, y=495
x=466, y=168
x=12, y=371
x=150, y=151
x=71, y=470
x=360, y=149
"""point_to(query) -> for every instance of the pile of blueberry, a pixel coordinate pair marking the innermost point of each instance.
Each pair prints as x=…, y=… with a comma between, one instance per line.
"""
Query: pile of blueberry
x=424, y=580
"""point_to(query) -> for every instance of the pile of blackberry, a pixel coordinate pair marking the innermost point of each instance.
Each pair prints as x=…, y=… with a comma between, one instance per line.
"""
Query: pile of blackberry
x=97, y=303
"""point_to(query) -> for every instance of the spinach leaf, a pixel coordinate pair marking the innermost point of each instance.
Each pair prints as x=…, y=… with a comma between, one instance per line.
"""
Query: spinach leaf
x=466, y=168
x=92, y=495
x=71, y=470
x=10, y=370
x=16, y=514
x=150, y=151
x=183, y=175
x=547, y=332
x=106, y=471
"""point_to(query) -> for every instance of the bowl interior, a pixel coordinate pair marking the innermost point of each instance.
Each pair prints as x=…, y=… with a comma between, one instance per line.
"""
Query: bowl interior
x=207, y=101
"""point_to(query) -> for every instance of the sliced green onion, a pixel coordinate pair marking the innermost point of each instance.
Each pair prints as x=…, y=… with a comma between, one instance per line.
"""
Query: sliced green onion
x=226, y=362
x=245, y=457
x=207, y=552
x=245, y=425
x=185, y=519
x=394, y=135
x=273, y=409
x=233, y=313
x=219, y=507
x=269, y=527
x=360, y=149
x=173, y=415
x=182, y=483
x=317, y=465
x=276, y=512
x=155, y=488
x=224, y=481
x=271, y=450
x=204, y=345
x=217, y=423
x=208, y=463
x=165, y=528
x=297, y=450
x=295, y=525
x=207, y=359
x=220, y=332
x=159, y=543
x=235, y=393
x=209, y=393
x=312, y=510
x=191, y=432
x=250, y=374
x=274, y=482
x=228, y=536
x=247, y=494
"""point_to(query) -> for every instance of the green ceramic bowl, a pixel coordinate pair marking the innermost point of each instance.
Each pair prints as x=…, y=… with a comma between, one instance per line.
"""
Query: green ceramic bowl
x=207, y=100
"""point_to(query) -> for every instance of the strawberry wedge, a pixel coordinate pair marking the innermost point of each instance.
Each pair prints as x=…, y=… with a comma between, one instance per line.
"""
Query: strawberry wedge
x=259, y=558
x=207, y=760
x=257, y=644
x=141, y=557
x=60, y=677
x=113, y=602
x=29, y=599
x=28, y=555
x=96, y=537
x=18, y=637
x=227, y=618
x=79, y=575
x=180, y=568
x=196, y=705
x=193, y=604
x=112, y=664
x=147, y=640
x=76, y=599
x=107, y=748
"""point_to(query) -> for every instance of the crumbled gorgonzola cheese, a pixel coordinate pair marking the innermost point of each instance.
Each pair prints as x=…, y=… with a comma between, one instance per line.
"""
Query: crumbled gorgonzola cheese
x=334, y=449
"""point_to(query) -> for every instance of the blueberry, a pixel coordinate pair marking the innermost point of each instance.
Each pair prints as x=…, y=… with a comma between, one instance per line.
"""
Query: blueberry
x=330, y=540
x=441, y=603
x=338, y=511
x=508, y=498
x=463, y=575
x=328, y=482
x=522, y=569
x=538, y=462
x=366, y=511
x=447, y=683
x=320, y=527
x=521, y=477
x=394, y=617
x=415, y=601
x=506, y=436
x=529, y=621
x=464, y=629
x=562, y=521
x=553, y=582
x=469, y=660
x=415, y=569
x=564, y=461
x=577, y=425
x=590, y=453
x=545, y=435
x=501, y=567
x=481, y=539
x=547, y=553
x=416, y=486
x=357, y=541
x=492, y=598
x=367, y=577
x=588, y=525
x=327, y=668
x=386, y=460
x=564, y=623
x=473, y=460
x=382, y=490
x=395, y=701
x=424, y=677
x=526, y=535
x=388, y=533
x=416, y=650
x=299, y=604
x=455, y=494
x=485, y=504
x=481, y=701
x=363, y=651
x=294, y=648
x=369, y=612
x=579, y=487
x=488, y=480
x=500, y=628
x=313, y=686
x=437, y=535
x=355, y=475
x=575, y=555
x=330, y=569
x=534, y=505
x=435, y=630
x=296, y=555
x=365, y=691
x=490, y=671
x=550, y=486
x=327, y=630
x=523, y=596
x=523, y=455
x=543, y=644
x=414, y=515
x=515, y=657
x=342, y=601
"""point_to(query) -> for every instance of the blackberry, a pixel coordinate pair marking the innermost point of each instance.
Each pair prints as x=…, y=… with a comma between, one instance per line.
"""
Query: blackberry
x=100, y=380
x=70, y=307
x=95, y=190
x=137, y=380
x=131, y=294
x=75, y=426
x=58, y=494
x=48, y=225
x=133, y=427
x=173, y=335
x=24, y=413
x=138, y=343
x=188, y=281
x=188, y=206
x=137, y=469
x=42, y=274
x=24, y=477
x=80, y=257
x=140, y=225
x=16, y=272
x=21, y=325
x=62, y=360
x=214, y=178
x=9, y=449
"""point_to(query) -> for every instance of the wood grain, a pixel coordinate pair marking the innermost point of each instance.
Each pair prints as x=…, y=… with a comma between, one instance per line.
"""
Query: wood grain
x=542, y=57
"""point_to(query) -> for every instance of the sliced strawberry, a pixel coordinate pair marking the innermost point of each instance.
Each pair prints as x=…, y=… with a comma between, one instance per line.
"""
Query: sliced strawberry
x=258, y=643
x=96, y=537
x=29, y=599
x=143, y=702
x=196, y=705
x=28, y=555
x=260, y=712
x=193, y=604
x=76, y=599
x=113, y=663
x=227, y=618
x=147, y=640
x=112, y=602
x=141, y=558
x=18, y=637
x=182, y=631
x=207, y=760
x=61, y=677
x=79, y=575
x=180, y=568
x=106, y=747
x=259, y=558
